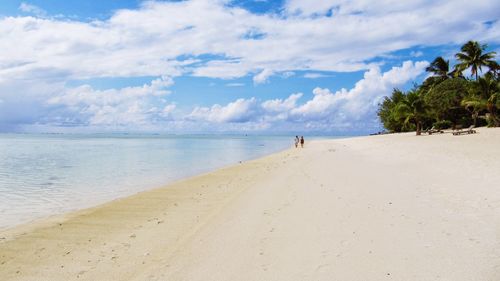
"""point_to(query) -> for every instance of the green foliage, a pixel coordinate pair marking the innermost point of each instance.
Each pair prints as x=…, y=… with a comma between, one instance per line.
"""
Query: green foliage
x=490, y=121
x=471, y=56
x=412, y=110
x=484, y=96
x=403, y=111
x=447, y=98
x=440, y=68
x=444, y=99
x=443, y=124
x=387, y=112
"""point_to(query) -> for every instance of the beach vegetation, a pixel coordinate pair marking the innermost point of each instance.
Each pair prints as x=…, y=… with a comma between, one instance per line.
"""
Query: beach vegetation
x=472, y=55
x=447, y=98
x=413, y=110
x=388, y=115
x=444, y=99
x=443, y=124
x=440, y=68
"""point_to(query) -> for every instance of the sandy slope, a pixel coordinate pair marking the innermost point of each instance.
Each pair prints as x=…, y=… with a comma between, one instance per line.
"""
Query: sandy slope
x=394, y=207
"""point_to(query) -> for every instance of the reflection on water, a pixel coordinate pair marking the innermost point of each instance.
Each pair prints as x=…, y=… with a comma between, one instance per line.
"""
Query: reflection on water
x=42, y=175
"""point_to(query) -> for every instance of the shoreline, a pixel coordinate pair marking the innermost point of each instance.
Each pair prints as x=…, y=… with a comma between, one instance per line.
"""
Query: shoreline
x=53, y=218
x=95, y=221
x=72, y=196
x=367, y=207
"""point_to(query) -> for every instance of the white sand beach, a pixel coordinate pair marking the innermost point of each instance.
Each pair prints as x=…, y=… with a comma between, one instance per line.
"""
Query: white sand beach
x=389, y=207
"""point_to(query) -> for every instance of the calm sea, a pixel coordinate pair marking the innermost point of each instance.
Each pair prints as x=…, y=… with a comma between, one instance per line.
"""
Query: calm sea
x=42, y=175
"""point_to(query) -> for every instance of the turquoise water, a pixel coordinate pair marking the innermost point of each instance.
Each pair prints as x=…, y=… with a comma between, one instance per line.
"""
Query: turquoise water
x=42, y=175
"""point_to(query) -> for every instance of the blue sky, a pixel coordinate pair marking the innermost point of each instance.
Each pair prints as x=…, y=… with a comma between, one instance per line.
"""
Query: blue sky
x=75, y=9
x=317, y=66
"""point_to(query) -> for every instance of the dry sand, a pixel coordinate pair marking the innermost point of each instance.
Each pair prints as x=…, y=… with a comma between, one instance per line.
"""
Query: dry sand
x=392, y=207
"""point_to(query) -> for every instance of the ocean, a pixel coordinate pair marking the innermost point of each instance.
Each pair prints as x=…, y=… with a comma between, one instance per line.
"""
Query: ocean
x=44, y=174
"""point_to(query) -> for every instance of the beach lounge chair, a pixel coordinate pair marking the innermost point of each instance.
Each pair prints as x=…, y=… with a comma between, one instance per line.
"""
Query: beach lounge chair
x=459, y=132
x=434, y=130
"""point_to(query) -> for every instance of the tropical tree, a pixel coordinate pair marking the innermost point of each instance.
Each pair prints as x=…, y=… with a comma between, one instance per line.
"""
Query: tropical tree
x=444, y=99
x=490, y=89
x=484, y=94
x=474, y=105
x=472, y=56
x=413, y=110
x=439, y=68
x=494, y=70
x=387, y=112
x=493, y=103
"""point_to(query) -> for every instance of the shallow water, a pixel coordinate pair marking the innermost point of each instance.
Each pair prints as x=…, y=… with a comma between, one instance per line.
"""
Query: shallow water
x=42, y=175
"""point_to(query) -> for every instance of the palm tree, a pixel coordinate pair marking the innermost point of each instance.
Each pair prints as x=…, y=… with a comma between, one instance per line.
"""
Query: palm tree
x=493, y=103
x=471, y=55
x=474, y=105
x=439, y=67
x=413, y=110
x=484, y=94
x=494, y=70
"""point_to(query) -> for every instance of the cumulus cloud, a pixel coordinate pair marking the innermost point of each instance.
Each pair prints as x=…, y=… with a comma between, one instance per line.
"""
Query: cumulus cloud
x=263, y=76
x=280, y=105
x=344, y=109
x=84, y=105
x=361, y=101
x=32, y=9
x=38, y=55
x=147, y=106
x=153, y=40
x=239, y=111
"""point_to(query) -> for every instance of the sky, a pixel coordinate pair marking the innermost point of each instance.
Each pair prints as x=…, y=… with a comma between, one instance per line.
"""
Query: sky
x=222, y=66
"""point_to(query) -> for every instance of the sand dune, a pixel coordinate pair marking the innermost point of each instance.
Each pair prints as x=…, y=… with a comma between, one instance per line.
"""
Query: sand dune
x=392, y=207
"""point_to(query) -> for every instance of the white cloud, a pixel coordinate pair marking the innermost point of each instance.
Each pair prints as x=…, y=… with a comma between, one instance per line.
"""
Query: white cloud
x=32, y=9
x=239, y=111
x=38, y=55
x=280, y=105
x=167, y=111
x=352, y=109
x=315, y=75
x=416, y=54
x=149, y=41
x=127, y=106
x=235, y=84
x=360, y=102
x=146, y=107
x=263, y=76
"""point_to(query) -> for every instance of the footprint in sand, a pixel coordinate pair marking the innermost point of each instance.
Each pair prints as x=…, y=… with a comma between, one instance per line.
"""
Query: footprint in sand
x=321, y=266
x=80, y=273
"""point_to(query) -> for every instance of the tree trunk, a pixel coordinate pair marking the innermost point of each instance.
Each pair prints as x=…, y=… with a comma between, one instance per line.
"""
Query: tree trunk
x=496, y=120
x=418, y=129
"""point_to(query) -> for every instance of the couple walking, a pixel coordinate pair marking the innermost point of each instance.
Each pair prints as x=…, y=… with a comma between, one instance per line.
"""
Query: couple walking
x=301, y=141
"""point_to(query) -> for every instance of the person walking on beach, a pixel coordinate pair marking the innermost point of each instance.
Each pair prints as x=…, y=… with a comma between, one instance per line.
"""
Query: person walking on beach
x=302, y=141
x=296, y=141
